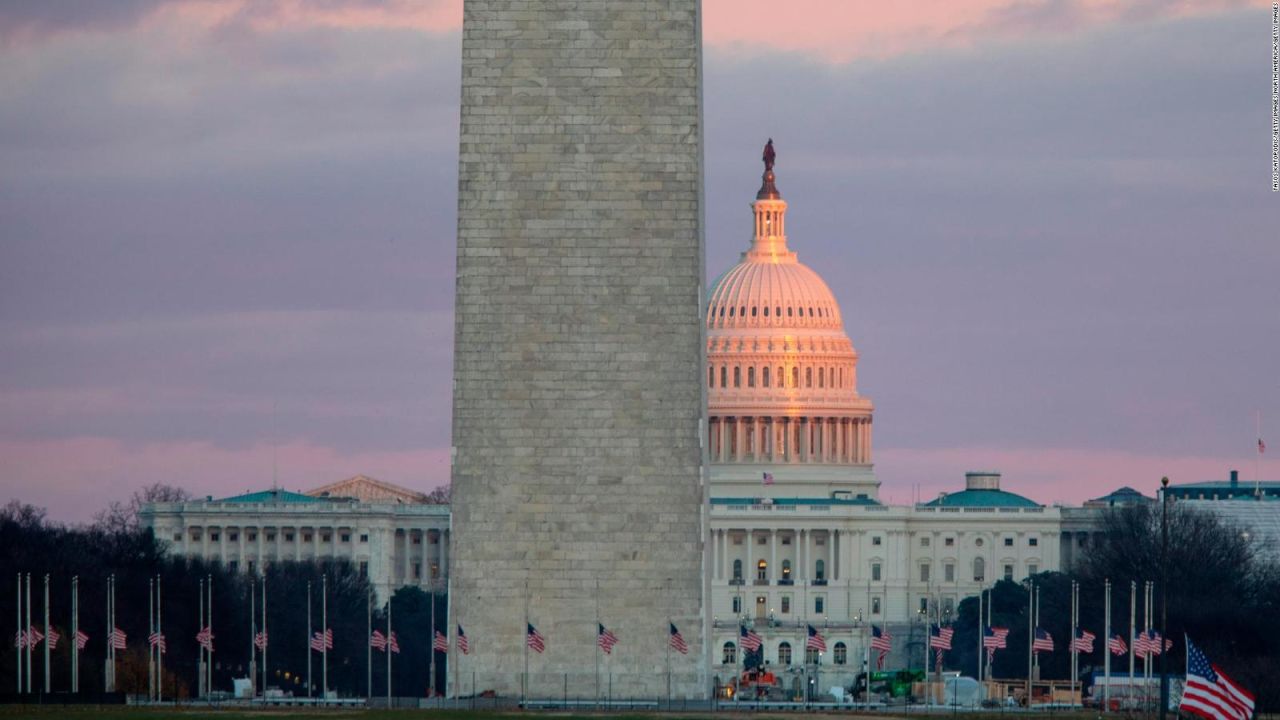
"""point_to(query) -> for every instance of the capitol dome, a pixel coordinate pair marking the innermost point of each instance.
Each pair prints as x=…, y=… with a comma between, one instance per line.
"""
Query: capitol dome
x=781, y=372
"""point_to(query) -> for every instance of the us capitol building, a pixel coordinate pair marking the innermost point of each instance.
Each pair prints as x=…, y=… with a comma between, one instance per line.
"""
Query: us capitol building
x=797, y=534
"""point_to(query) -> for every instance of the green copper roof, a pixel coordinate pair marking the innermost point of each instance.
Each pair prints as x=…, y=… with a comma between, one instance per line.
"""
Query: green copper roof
x=981, y=498
x=276, y=496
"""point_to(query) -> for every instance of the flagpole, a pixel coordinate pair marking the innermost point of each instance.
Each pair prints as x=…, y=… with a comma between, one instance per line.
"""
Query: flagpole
x=1075, y=629
x=1146, y=658
x=1106, y=655
x=597, y=598
x=525, y=691
x=388, y=647
x=981, y=632
x=431, y=657
x=28, y=631
x=1031, y=638
x=368, y=633
x=201, y=664
x=668, y=662
x=106, y=665
x=75, y=634
x=253, y=636
x=990, y=656
x=46, y=633
x=208, y=686
x=18, y=638
x=159, y=629
x=1257, y=459
x=324, y=639
x=309, y=638
x=266, y=640
x=1133, y=604
x=151, y=634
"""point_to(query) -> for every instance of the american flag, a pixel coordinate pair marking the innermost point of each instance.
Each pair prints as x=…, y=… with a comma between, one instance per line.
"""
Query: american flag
x=1043, y=641
x=463, y=645
x=749, y=639
x=768, y=479
x=1210, y=693
x=440, y=643
x=1148, y=643
x=34, y=636
x=940, y=637
x=378, y=641
x=205, y=638
x=1083, y=642
x=534, y=640
x=82, y=639
x=677, y=641
x=815, y=641
x=321, y=642
x=260, y=640
x=118, y=639
x=19, y=639
x=605, y=639
x=393, y=643
x=54, y=637
x=1117, y=645
x=881, y=640
x=156, y=639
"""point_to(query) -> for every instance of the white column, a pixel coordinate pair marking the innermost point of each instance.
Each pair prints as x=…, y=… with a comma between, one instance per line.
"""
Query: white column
x=405, y=557
x=773, y=555
x=739, y=436
x=749, y=568
x=802, y=556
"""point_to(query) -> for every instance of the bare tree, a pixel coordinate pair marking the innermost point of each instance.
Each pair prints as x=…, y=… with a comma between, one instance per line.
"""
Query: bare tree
x=439, y=496
x=121, y=517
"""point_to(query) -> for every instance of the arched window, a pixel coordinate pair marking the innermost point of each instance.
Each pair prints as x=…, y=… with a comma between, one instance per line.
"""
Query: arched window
x=737, y=570
x=820, y=570
x=742, y=311
x=724, y=376
x=778, y=311
x=810, y=655
x=784, y=653
x=762, y=570
x=789, y=312
x=795, y=376
x=840, y=653
x=731, y=312
x=751, y=376
x=786, y=569
x=782, y=377
x=737, y=376
x=766, y=311
x=753, y=310
x=730, y=654
x=840, y=377
x=711, y=376
x=764, y=376
x=721, y=311
x=979, y=569
x=821, y=373
x=810, y=312
x=808, y=377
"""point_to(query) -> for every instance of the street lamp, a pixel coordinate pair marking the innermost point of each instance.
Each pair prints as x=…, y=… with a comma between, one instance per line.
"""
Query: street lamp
x=1164, y=593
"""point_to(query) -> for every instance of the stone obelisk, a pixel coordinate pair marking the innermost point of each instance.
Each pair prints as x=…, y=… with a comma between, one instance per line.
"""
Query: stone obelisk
x=578, y=402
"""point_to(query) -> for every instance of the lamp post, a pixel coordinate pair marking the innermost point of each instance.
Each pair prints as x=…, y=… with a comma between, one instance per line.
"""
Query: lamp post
x=1164, y=593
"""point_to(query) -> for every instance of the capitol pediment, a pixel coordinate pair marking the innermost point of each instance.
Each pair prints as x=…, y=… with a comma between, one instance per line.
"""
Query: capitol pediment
x=367, y=489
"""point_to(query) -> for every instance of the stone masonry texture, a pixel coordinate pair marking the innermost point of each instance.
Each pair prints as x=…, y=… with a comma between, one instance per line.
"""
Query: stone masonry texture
x=578, y=473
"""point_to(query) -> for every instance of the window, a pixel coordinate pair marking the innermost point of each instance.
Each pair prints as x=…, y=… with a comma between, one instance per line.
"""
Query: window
x=737, y=539
x=949, y=572
x=784, y=653
x=751, y=377
x=924, y=606
x=795, y=377
x=364, y=537
x=737, y=605
x=924, y=573
x=233, y=566
x=810, y=656
x=875, y=572
x=754, y=309
x=324, y=537
x=417, y=539
x=737, y=377
x=977, y=543
x=762, y=540
x=786, y=539
x=875, y=605
x=821, y=378
x=364, y=568
x=1008, y=542
x=924, y=541
x=195, y=535
x=786, y=570
x=271, y=537
x=820, y=570
x=762, y=570
x=1033, y=569
x=346, y=537
x=724, y=376
x=979, y=570
x=177, y=537
x=1008, y=572
x=288, y=537
x=808, y=377
x=948, y=605
x=949, y=542
x=213, y=536
x=253, y=537
x=819, y=605
x=841, y=653
x=729, y=656
x=737, y=570
x=252, y=567
x=1033, y=542
x=233, y=537
x=711, y=377
x=876, y=540
x=764, y=376
x=417, y=571
x=786, y=604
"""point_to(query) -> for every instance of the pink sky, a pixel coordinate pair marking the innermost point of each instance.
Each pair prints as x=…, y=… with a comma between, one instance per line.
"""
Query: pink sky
x=224, y=212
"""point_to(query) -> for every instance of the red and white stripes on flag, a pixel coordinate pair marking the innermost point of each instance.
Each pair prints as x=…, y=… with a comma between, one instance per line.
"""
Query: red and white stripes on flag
x=82, y=639
x=534, y=640
x=378, y=641
x=19, y=639
x=882, y=641
x=815, y=640
x=1117, y=645
x=34, y=636
x=767, y=479
x=749, y=639
x=1043, y=641
x=440, y=643
x=1210, y=694
x=1083, y=642
x=322, y=641
x=118, y=639
x=156, y=639
x=463, y=645
x=393, y=643
x=605, y=639
x=205, y=638
x=677, y=640
x=260, y=640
